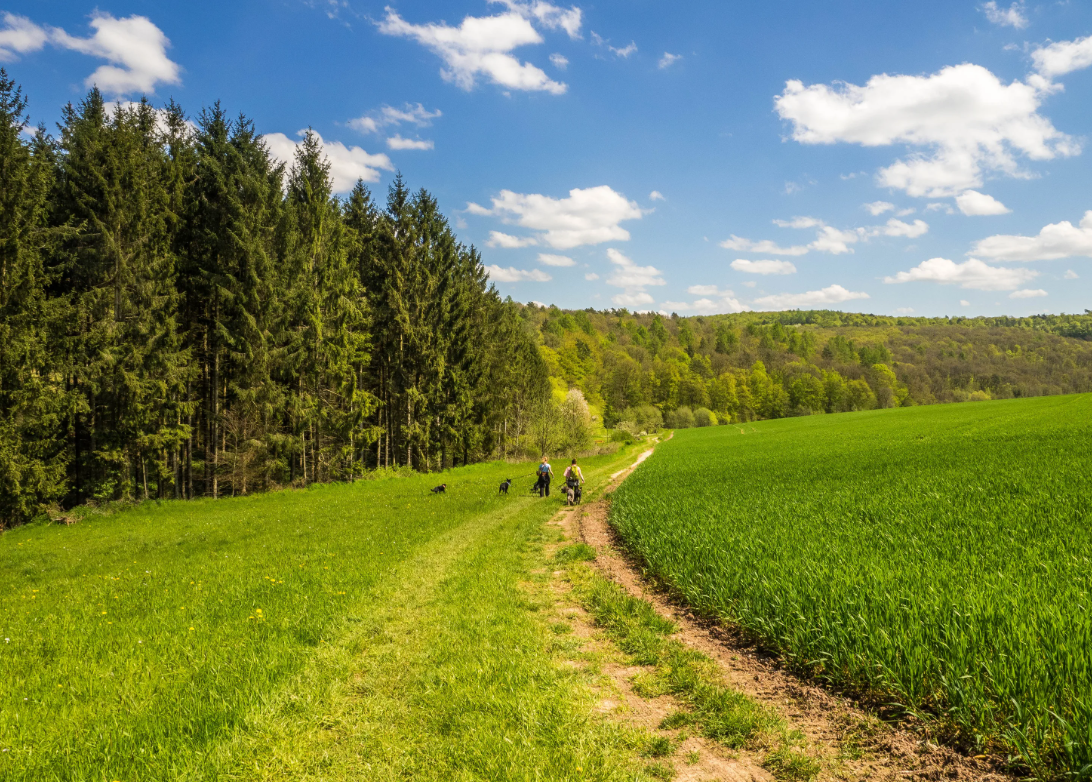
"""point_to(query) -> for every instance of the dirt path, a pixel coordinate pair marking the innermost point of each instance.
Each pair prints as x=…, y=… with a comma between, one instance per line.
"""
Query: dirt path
x=851, y=743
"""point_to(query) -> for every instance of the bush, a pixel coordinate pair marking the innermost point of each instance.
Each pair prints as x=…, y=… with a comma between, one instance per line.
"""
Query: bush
x=703, y=416
x=645, y=418
x=679, y=418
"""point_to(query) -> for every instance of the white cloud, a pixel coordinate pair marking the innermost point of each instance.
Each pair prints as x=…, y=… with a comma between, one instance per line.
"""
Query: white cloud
x=588, y=216
x=625, y=51
x=136, y=49
x=1063, y=57
x=512, y=274
x=705, y=290
x=549, y=16
x=1071, y=275
x=940, y=206
x=799, y=222
x=1057, y=240
x=656, y=195
x=904, y=310
x=964, y=303
x=834, y=241
x=1013, y=16
x=763, y=267
x=479, y=46
x=632, y=300
x=899, y=228
x=18, y=36
x=591, y=276
x=629, y=275
x=347, y=164
x=877, y=208
x=725, y=302
x=387, y=116
x=397, y=142
x=668, y=60
x=559, y=61
x=963, y=120
x=1028, y=294
x=509, y=242
x=832, y=294
x=972, y=274
x=766, y=247
x=555, y=260
x=974, y=203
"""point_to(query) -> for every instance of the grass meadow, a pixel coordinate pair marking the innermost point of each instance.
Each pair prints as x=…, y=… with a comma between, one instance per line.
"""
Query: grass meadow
x=367, y=631
x=939, y=558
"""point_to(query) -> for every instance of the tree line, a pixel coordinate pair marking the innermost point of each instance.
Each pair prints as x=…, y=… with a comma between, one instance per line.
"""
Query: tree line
x=181, y=315
x=644, y=368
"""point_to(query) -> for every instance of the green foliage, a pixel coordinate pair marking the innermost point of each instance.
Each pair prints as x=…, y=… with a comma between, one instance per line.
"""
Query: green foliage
x=917, y=556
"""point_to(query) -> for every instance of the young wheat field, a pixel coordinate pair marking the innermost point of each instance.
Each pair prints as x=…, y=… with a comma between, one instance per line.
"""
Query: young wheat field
x=939, y=558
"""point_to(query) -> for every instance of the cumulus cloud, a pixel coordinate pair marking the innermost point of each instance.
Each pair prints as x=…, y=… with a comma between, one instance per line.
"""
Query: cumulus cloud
x=629, y=275
x=1028, y=294
x=625, y=51
x=1071, y=275
x=1057, y=240
x=509, y=242
x=135, y=48
x=397, y=142
x=877, y=208
x=724, y=302
x=799, y=222
x=588, y=216
x=964, y=303
x=479, y=46
x=765, y=246
x=555, y=260
x=632, y=300
x=974, y=203
x=763, y=267
x=668, y=60
x=972, y=274
x=940, y=206
x=962, y=121
x=904, y=310
x=512, y=274
x=389, y=116
x=347, y=164
x=559, y=61
x=656, y=195
x=591, y=276
x=1062, y=57
x=828, y=239
x=832, y=294
x=18, y=36
x=550, y=16
x=1013, y=16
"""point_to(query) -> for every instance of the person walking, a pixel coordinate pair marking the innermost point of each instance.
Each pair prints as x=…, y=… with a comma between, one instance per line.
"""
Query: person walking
x=574, y=479
x=545, y=473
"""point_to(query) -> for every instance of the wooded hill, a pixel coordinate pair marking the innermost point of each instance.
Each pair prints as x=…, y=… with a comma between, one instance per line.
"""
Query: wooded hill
x=770, y=365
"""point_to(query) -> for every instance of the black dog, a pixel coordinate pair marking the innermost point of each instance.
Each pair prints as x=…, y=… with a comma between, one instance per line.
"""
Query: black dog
x=504, y=486
x=439, y=489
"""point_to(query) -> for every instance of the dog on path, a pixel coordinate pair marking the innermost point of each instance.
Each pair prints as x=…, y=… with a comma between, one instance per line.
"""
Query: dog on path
x=570, y=495
x=439, y=489
x=504, y=486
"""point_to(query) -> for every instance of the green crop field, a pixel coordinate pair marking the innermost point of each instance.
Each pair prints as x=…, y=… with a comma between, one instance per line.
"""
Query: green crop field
x=367, y=631
x=939, y=558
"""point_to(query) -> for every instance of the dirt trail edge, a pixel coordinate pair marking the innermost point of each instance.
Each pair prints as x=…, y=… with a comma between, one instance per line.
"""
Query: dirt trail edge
x=851, y=743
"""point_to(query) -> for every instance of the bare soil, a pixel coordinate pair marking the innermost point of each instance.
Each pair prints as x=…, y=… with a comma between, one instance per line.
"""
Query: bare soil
x=851, y=743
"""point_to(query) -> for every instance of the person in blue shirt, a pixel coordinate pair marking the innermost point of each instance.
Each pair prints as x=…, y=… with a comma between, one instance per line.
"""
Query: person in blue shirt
x=545, y=473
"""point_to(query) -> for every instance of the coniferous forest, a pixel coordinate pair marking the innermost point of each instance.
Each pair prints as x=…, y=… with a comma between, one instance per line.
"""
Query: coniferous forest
x=181, y=315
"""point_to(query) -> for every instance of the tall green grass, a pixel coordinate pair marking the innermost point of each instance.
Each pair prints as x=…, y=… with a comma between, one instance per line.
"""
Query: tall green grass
x=150, y=644
x=937, y=557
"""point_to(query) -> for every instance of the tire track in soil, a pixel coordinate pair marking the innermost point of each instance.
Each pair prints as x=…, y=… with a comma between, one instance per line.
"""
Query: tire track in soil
x=852, y=744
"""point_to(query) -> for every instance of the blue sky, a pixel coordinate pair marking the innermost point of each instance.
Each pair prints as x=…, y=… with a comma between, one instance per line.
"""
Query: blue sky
x=926, y=157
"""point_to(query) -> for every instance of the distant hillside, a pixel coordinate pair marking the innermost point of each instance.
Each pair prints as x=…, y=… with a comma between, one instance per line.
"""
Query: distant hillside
x=771, y=365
